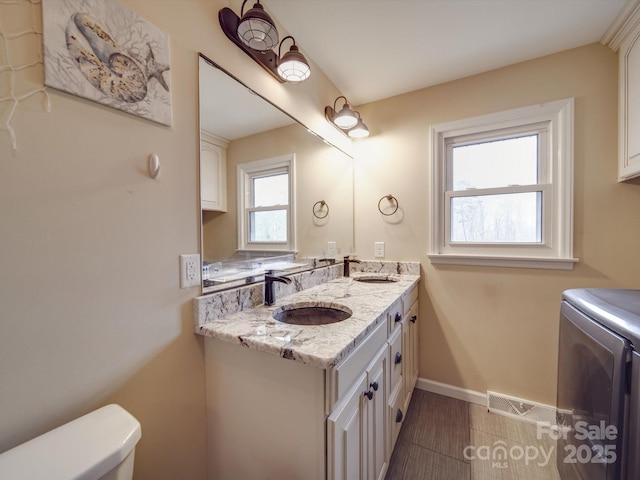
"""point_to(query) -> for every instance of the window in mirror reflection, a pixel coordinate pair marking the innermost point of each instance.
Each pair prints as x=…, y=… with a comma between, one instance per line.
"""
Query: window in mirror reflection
x=267, y=222
x=271, y=189
x=268, y=212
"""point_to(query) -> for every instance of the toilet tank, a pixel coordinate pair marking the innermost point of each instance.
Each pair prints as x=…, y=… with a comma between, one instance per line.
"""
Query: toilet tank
x=96, y=446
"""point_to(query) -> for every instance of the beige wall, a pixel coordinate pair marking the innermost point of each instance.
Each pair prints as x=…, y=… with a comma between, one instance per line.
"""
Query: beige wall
x=90, y=306
x=91, y=309
x=496, y=328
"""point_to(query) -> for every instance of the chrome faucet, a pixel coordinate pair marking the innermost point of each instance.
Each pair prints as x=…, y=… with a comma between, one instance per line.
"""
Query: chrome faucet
x=269, y=292
x=347, y=261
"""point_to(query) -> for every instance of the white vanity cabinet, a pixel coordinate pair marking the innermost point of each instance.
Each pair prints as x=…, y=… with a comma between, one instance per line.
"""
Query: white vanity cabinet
x=361, y=431
x=272, y=417
x=629, y=100
x=213, y=172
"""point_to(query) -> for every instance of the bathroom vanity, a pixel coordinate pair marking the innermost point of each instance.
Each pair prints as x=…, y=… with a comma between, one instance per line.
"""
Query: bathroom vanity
x=312, y=401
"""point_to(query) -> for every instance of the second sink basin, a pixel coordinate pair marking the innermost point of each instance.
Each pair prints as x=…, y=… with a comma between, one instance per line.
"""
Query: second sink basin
x=312, y=313
x=379, y=278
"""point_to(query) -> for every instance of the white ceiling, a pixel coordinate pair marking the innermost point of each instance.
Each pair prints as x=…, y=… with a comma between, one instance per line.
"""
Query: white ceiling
x=375, y=49
x=225, y=103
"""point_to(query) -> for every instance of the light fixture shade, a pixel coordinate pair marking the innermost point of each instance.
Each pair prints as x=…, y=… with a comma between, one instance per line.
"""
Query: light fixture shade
x=256, y=29
x=293, y=67
x=359, y=131
x=345, y=118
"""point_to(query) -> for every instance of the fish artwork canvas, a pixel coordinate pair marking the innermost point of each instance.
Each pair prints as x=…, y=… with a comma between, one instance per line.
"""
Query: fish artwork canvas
x=103, y=52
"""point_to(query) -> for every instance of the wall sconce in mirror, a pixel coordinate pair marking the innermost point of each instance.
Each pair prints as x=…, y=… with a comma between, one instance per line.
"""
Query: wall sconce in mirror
x=347, y=120
x=255, y=34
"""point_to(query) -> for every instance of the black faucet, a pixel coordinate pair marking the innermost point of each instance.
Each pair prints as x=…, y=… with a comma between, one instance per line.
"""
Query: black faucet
x=347, y=261
x=330, y=261
x=269, y=293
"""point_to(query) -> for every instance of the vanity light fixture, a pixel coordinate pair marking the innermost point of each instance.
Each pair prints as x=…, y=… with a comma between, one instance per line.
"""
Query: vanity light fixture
x=256, y=35
x=256, y=29
x=360, y=130
x=293, y=67
x=347, y=120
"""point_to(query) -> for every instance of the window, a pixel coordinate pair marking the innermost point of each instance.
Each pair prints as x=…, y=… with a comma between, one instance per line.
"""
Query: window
x=502, y=189
x=265, y=199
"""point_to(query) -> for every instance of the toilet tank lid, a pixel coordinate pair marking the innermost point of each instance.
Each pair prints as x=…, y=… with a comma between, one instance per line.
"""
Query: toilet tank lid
x=85, y=448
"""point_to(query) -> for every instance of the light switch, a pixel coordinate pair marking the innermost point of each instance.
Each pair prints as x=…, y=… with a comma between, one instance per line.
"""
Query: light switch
x=378, y=249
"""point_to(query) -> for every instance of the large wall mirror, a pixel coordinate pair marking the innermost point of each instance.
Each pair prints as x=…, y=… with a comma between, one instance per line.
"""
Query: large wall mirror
x=242, y=132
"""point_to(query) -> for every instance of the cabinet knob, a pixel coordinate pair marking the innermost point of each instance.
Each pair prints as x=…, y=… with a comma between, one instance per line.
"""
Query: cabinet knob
x=414, y=318
x=398, y=358
x=374, y=385
x=368, y=394
x=398, y=317
x=399, y=416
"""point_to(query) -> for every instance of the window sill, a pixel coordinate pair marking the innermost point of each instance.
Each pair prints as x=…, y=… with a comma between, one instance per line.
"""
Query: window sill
x=546, y=263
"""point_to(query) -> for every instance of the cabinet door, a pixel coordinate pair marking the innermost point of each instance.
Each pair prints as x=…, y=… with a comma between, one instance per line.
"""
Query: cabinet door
x=629, y=162
x=346, y=437
x=358, y=428
x=396, y=415
x=213, y=177
x=410, y=348
x=377, y=424
x=396, y=357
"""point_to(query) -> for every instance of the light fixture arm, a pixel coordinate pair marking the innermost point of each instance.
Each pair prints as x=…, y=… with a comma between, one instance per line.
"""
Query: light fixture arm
x=242, y=7
x=282, y=41
x=346, y=102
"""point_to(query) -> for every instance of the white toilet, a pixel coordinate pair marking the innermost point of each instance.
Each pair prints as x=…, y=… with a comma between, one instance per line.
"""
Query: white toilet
x=97, y=446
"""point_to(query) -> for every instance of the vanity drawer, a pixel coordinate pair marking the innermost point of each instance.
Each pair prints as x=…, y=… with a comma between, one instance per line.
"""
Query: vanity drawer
x=395, y=358
x=395, y=315
x=409, y=298
x=346, y=372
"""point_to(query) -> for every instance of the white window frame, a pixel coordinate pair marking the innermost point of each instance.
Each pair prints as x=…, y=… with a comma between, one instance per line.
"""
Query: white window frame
x=248, y=171
x=554, y=121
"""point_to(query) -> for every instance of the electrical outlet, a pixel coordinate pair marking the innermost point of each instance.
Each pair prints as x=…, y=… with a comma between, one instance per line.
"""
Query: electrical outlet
x=332, y=249
x=378, y=249
x=189, y=270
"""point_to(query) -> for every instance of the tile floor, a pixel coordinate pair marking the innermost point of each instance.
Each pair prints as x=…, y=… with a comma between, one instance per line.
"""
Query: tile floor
x=447, y=439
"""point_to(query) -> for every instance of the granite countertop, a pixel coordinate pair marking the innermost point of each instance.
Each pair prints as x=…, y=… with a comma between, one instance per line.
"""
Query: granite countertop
x=322, y=346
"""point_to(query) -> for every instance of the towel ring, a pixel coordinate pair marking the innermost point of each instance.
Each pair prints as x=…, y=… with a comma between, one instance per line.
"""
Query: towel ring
x=391, y=198
x=322, y=204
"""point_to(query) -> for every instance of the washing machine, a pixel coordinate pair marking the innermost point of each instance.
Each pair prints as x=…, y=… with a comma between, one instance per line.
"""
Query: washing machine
x=598, y=395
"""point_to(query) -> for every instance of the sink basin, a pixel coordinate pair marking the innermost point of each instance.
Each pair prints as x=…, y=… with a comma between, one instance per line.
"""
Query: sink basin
x=312, y=313
x=375, y=279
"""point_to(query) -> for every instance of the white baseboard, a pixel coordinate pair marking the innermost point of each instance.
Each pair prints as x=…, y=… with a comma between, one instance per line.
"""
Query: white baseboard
x=470, y=396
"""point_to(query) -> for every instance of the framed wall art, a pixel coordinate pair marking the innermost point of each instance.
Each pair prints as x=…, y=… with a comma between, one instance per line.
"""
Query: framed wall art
x=103, y=52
